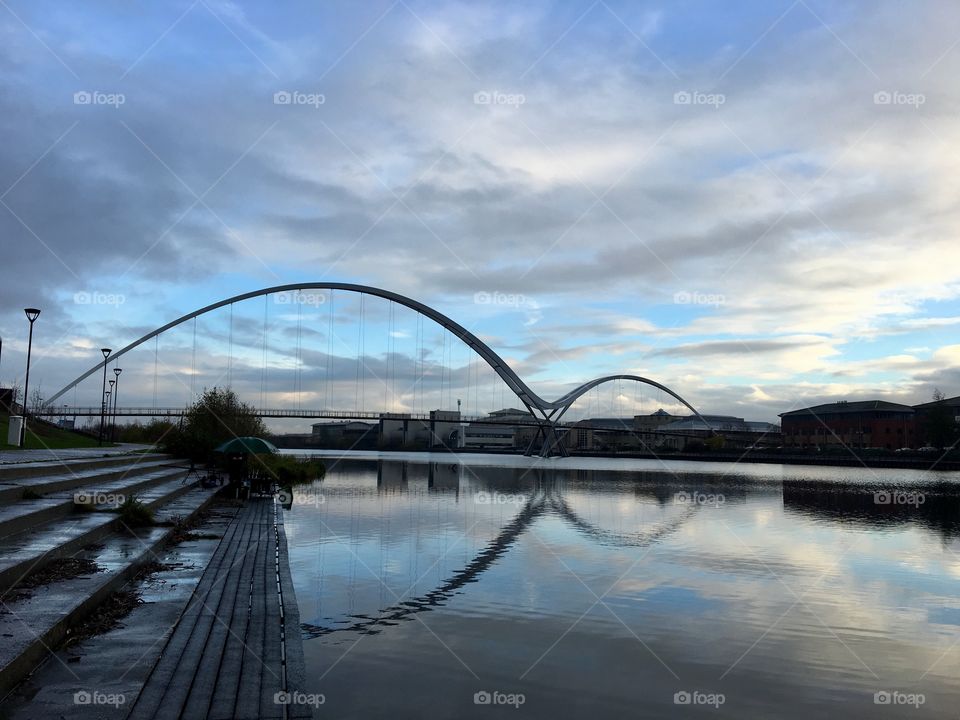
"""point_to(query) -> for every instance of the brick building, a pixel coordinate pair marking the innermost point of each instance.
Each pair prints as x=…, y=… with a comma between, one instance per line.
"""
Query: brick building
x=861, y=424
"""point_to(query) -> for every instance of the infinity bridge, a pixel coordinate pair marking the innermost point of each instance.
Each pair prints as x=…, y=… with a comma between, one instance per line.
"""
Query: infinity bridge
x=424, y=375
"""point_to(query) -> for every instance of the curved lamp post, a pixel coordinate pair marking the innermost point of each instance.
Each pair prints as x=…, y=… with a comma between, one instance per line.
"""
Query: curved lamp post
x=103, y=395
x=32, y=314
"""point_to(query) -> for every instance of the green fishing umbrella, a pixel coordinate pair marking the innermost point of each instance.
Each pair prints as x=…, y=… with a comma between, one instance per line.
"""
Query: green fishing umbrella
x=247, y=445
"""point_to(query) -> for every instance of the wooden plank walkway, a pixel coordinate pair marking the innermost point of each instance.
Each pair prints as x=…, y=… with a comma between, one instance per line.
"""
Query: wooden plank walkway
x=236, y=647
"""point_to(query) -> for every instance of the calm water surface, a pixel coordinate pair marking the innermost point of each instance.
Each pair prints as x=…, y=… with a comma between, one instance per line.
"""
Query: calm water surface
x=594, y=588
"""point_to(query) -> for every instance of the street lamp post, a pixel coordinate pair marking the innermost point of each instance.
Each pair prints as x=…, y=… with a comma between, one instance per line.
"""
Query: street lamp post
x=103, y=394
x=110, y=410
x=116, y=394
x=32, y=314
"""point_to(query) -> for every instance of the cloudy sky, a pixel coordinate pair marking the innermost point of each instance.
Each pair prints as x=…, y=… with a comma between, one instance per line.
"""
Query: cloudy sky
x=752, y=202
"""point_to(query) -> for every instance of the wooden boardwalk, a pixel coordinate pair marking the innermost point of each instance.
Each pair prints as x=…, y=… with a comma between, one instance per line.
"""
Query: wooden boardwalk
x=236, y=648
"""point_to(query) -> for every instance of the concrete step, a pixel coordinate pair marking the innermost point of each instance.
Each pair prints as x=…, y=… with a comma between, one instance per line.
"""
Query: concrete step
x=19, y=470
x=35, y=626
x=68, y=475
x=102, y=495
x=119, y=661
x=62, y=537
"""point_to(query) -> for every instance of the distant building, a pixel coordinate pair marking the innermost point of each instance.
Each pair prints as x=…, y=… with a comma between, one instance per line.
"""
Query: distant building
x=860, y=424
x=736, y=431
x=647, y=426
x=444, y=429
x=504, y=429
x=347, y=434
x=599, y=434
x=938, y=412
x=501, y=437
x=953, y=404
x=663, y=430
x=402, y=430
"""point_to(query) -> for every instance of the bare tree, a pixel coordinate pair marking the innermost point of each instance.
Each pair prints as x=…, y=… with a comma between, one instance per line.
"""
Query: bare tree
x=17, y=389
x=36, y=401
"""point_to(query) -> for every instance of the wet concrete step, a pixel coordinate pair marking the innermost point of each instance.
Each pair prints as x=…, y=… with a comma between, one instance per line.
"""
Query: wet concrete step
x=20, y=470
x=61, y=537
x=32, y=627
x=67, y=476
x=118, y=662
x=21, y=516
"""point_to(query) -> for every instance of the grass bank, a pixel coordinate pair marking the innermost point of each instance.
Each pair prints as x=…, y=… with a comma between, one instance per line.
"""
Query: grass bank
x=43, y=435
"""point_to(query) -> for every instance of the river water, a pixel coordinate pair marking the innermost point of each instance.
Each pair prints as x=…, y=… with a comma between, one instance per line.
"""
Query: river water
x=442, y=586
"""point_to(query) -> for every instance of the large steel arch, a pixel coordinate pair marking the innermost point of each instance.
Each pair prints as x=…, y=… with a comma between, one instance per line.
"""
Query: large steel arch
x=499, y=365
x=549, y=411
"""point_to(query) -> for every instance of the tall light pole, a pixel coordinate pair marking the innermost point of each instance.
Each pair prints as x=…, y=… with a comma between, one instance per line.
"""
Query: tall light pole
x=116, y=394
x=32, y=314
x=103, y=394
x=110, y=410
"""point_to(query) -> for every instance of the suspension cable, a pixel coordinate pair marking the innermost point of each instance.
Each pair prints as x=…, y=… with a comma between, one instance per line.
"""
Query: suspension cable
x=230, y=352
x=358, y=390
x=156, y=358
x=328, y=391
x=263, y=371
x=193, y=363
x=297, y=370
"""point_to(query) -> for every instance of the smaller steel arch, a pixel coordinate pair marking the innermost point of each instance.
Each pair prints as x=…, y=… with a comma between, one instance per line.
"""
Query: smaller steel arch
x=548, y=431
x=565, y=402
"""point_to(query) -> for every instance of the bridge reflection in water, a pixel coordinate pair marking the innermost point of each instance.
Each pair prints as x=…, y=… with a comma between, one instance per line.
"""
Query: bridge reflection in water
x=585, y=586
x=531, y=495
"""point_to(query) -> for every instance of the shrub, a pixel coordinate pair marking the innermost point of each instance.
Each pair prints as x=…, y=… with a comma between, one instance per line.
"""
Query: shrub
x=291, y=470
x=215, y=418
x=134, y=513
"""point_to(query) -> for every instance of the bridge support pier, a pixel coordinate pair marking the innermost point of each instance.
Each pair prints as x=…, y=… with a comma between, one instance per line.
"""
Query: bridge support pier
x=547, y=441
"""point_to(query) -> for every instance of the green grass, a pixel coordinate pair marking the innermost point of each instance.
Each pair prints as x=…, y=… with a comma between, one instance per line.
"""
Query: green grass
x=41, y=435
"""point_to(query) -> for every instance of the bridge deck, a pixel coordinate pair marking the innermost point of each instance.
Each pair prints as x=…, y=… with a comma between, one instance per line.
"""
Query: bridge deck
x=237, y=644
